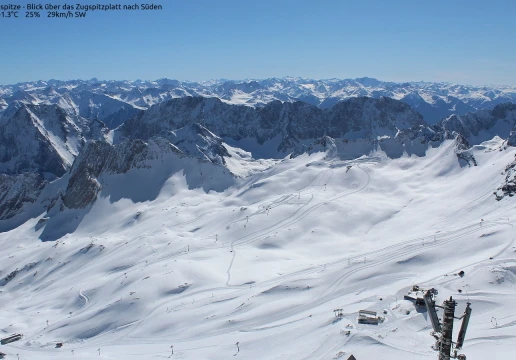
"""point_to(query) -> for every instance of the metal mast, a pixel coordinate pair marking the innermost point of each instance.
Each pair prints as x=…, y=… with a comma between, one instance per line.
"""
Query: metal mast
x=445, y=342
x=443, y=331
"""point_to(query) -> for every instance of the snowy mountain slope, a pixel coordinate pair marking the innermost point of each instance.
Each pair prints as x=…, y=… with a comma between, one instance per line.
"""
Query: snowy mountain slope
x=84, y=103
x=435, y=108
x=484, y=125
x=116, y=101
x=43, y=139
x=264, y=261
x=197, y=141
x=134, y=170
x=27, y=144
x=110, y=110
x=38, y=143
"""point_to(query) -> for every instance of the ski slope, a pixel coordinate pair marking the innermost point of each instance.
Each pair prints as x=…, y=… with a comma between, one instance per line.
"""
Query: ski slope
x=264, y=262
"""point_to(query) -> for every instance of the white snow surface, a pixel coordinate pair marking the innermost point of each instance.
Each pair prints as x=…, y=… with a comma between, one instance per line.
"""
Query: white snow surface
x=264, y=263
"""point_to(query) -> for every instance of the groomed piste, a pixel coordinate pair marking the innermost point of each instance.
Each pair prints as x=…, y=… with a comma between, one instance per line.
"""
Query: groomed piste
x=255, y=269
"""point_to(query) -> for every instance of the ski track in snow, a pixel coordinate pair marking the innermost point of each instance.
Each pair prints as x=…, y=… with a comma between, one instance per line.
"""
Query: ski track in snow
x=285, y=223
x=276, y=314
x=84, y=297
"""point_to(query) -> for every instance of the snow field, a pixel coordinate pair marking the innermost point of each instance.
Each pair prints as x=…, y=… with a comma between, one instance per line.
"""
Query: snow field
x=264, y=261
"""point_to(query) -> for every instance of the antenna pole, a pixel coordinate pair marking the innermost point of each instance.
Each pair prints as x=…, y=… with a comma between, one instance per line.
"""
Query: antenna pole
x=445, y=342
x=430, y=307
x=464, y=327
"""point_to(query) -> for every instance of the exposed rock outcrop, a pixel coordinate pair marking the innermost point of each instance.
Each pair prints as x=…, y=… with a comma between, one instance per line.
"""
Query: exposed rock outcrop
x=481, y=126
x=508, y=188
x=102, y=158
x=18, y=190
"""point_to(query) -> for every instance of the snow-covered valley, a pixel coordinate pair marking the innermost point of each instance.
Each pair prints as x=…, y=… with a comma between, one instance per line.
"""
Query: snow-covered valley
x=186, y=261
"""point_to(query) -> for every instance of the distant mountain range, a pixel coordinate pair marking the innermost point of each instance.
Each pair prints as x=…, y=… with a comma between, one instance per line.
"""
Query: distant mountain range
x=115, y=101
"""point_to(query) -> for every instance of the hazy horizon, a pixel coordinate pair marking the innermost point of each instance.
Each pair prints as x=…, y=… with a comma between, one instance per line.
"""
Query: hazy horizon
x=258, y=79
x=457, y=42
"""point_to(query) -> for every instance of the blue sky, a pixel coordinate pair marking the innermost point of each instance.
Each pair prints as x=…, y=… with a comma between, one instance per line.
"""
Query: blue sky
x=468, y=42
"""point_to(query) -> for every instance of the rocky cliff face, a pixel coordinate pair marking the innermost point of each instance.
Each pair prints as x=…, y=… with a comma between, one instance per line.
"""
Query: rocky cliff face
x=43, y=139
x=369, y=118
x=483, y=125
x=356, y=118
x=38, y=144
x=26, y=146
x=17, y=191
x=102, y=158
x=508, y=187
x=197, y=141
x=511, y=140
x=152, y=161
